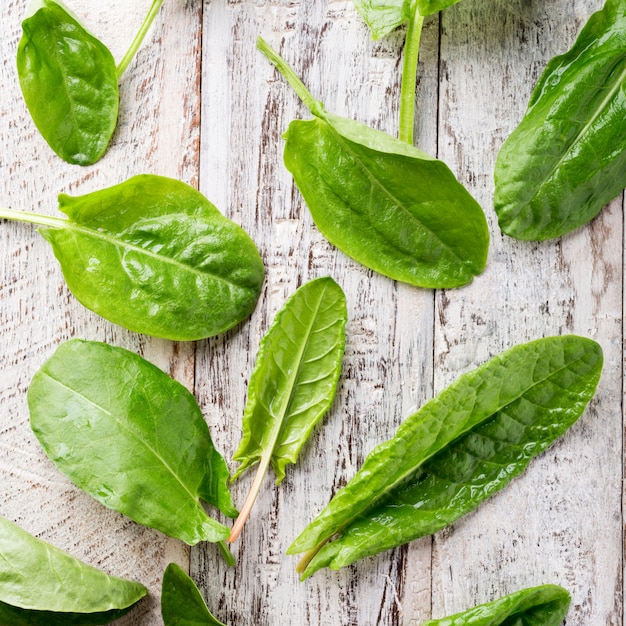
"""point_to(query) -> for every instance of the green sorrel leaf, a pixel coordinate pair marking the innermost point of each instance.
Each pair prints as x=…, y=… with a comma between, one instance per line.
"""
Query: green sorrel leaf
x=181, y=602
x=131, y=437
x=152, y=254
x=567, y=158
x=383, y=202
x=293, y=383
x=546, y=605
x=457, y=450
x=69, y=82
x=42, y=586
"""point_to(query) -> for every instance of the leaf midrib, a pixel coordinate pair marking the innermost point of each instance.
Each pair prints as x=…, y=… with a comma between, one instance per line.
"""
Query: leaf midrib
x=126, y=428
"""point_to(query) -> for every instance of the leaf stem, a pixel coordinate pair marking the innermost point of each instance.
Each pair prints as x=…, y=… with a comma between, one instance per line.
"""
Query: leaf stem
x=32, y=218
x=226, y=553
x=409, y=76
x=315, y=106
x=244, y=513
x=141, y=33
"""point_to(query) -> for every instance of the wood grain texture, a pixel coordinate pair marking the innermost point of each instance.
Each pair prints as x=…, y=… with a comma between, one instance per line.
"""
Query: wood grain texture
x=199, y=103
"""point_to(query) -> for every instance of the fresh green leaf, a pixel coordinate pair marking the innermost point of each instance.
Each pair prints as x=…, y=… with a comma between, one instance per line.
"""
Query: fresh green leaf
x=546, y=605
x=457, y=450
x=42, y=586
x=386, y=204
x=567, y=158
x=293, y=383
x=69, y=82
x=131, y=437
x=181, y=602
x=155, y=256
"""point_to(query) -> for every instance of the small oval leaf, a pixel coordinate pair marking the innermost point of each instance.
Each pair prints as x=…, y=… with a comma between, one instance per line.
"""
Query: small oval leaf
x=131, y=437
x=69, y=82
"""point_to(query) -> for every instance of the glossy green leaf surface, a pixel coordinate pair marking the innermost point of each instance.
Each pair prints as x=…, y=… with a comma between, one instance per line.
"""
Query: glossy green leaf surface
x=567, y=157
x=458, y=449
x=69, y=82
x=182, y=603
x=295, y=376
x=152, y=254
x=131, y=437
x=546, y=605
x=42, y=586
x=387, y=204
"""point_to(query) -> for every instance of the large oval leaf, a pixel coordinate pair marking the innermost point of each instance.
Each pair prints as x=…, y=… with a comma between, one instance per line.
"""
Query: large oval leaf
x=546, y=605
x=567, y=158
x=69, y=82
x=456, y=451
x=152, y=254
x=182, y=603
x=42, y=586
x=131, y=437
x=386, y=204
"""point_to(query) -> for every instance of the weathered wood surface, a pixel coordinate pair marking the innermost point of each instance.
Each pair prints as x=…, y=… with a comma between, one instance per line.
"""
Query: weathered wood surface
x=200, y=104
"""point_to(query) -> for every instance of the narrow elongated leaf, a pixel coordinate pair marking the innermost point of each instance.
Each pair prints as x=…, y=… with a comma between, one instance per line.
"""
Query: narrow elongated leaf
x=456, y=451
x=42, y=586
x=152, y=254
x=181, y=602
x=389, y=206
x=293, y=383
x=383, y=202
x=546, y=605
x=131, y=437
x=567, y=158
x=69, y=82
x=295, y=376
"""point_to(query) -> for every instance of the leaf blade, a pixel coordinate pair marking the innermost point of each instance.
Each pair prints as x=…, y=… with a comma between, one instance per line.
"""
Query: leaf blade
x=567, y=157
x=186, y=272
x=181, y=602
x=69, y=82
x=387, y=502
x=383, y=16
x=131, y=437
x=40, y=584
x=390, y=206
x=546, y=605
x=295, y=376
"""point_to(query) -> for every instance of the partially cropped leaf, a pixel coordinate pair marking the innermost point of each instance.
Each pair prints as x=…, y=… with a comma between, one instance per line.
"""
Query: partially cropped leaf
x=546, y=605
x=384, y=16
x=181, y=602
x=294, y=380
x=69, y=82
x=428, y=7
x=567, y=158
x=131, y=437
x=457, y=450
x=152, y=254
x=383, y=202
x=42, y=586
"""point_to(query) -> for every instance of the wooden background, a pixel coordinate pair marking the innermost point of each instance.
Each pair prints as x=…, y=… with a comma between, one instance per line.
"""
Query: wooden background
x=199, y=103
